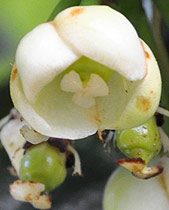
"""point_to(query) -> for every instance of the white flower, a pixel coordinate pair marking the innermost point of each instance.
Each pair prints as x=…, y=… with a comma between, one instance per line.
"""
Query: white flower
x=125, y=192
x=85, y=71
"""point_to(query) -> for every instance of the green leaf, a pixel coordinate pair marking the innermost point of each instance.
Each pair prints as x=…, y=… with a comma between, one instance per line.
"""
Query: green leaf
x=163, y=6
x=18, y=17
x=63, y=4
x=90, y=2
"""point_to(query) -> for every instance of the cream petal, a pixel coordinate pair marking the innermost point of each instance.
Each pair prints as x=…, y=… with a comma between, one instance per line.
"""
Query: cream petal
x=123, y=108
x=104, y=35
x=54, y=113
x=32, y=136
x=41, y=55
x=30, y=192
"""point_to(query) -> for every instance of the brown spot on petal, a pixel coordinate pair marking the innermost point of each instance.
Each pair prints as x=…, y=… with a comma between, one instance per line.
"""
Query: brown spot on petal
x=130, y=160
x=143, y=104
x=77, y=11
x=147, y=54
x=14, y=73
x=28, y=197
x=11, y=144
x=164, y=184
x=132, y=164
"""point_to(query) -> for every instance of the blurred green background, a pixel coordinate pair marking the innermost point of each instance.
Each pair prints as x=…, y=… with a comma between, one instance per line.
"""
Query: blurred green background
x=17, y=17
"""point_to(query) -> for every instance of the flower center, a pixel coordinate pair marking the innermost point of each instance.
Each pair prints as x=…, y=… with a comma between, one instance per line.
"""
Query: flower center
x=86, y=91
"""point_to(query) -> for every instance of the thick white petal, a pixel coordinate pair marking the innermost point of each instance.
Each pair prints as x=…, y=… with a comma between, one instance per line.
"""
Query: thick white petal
x=13, y=142
x=54, y=114
x=104, y=35
x=30, y=192
x=124, y=191
x=126, y=108
x=32, y=136
x=41, y=55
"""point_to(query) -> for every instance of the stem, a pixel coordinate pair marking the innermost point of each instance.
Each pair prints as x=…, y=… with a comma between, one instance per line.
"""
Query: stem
x=77, y=166
x=163, y=111
x=90, y=2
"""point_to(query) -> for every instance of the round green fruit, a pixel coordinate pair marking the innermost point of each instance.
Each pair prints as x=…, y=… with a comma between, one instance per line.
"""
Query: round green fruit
x=45, y=164
x=140, y=142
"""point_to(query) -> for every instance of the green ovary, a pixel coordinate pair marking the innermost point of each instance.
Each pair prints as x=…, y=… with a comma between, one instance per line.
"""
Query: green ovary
x=140, y=142
x=85, y=67
x=43, y=164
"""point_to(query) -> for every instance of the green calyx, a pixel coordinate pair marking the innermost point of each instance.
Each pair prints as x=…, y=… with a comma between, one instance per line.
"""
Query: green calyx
x=140, y=142
x=44, y=164
x=85, y=67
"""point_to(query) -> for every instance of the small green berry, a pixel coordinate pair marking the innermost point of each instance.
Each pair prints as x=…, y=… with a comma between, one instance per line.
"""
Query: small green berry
x=45, y=164
x=140, y=142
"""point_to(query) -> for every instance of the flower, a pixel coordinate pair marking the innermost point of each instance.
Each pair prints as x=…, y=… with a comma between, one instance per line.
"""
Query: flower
x=87, y=70
x=124, y=191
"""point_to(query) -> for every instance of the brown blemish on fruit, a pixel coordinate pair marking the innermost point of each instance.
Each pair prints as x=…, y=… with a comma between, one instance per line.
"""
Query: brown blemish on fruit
x=77, y=11
x=14, y=73
x=143, y=104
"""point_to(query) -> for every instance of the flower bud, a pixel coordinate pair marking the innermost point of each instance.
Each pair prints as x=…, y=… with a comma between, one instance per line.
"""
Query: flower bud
x=87, y=70
x=124, y=191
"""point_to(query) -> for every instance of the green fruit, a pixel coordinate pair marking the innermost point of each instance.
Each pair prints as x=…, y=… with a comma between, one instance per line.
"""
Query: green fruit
x=140, y=142
x=44, y=164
